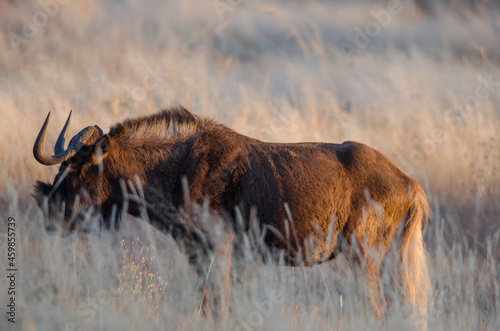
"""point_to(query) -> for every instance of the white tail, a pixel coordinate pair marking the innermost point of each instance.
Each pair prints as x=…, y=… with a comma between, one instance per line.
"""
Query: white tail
x=414, y=276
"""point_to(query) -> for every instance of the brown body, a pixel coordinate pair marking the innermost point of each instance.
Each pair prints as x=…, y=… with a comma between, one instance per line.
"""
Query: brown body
x=305, y=195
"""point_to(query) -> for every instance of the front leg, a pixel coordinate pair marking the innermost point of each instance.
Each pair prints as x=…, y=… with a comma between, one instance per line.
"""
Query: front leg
x=201, y=235
x=215, y=281
x=169, y=220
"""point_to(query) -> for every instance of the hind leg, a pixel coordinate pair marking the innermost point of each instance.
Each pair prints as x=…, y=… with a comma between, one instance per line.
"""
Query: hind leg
x=365, y=267
x=372, y=272
x=366, y=250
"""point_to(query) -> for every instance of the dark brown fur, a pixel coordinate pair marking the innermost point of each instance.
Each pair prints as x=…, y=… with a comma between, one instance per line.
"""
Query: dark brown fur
x=351, y=187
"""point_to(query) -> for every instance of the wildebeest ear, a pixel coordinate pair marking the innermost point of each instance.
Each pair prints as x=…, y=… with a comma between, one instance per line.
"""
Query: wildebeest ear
x=101, y=149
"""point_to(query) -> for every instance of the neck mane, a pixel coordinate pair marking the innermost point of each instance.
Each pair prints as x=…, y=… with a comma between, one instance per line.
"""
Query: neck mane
x=169, y=125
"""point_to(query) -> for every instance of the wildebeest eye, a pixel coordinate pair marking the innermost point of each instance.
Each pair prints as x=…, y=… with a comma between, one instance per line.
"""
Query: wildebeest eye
x=85, y=150
x=75, y=160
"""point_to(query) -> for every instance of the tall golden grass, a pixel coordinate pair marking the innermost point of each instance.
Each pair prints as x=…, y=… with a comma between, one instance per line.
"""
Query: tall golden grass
x=424, y=90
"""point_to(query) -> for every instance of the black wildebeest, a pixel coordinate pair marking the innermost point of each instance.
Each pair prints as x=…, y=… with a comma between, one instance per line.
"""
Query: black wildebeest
x=303, y=195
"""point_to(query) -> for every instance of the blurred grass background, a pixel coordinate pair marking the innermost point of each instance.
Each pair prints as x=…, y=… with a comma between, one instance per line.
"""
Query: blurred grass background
x=422, y=86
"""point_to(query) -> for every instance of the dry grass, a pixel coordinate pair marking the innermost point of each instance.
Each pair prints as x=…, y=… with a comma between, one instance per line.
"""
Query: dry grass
x=276, y=71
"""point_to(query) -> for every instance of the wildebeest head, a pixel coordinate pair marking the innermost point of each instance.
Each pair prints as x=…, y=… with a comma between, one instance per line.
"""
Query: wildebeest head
x=74, y=189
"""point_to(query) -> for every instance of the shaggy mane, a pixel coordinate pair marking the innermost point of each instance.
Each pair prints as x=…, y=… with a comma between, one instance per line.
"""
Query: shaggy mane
x=174, y=123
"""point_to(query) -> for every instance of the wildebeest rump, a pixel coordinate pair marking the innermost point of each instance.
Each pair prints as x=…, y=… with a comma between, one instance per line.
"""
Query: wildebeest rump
x=303, y=194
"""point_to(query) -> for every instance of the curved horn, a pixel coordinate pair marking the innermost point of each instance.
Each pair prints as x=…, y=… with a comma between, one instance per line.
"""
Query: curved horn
x=38, y=152
x=78, y=141
x=59, y=148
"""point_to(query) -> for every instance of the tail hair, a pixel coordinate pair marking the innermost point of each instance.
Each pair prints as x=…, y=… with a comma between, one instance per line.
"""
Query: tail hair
x=414, y=275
